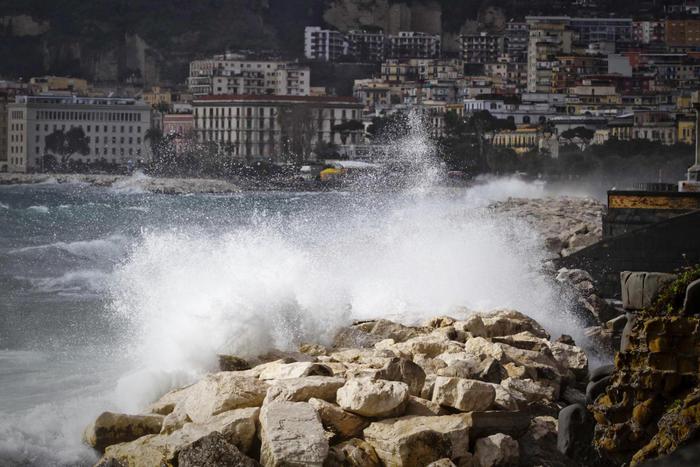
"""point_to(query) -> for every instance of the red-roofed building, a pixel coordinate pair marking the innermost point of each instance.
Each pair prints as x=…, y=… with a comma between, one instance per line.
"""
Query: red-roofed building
x=276, y=128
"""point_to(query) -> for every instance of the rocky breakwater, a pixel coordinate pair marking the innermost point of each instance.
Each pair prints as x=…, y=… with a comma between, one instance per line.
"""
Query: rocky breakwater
x=125, y=183
x=649, y=404
x=479, y=391
x=567, y=224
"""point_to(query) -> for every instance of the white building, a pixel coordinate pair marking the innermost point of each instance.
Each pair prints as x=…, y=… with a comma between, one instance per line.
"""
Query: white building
x=252, y=126
x=324, y=44
x=115, y=127
x=235, y=74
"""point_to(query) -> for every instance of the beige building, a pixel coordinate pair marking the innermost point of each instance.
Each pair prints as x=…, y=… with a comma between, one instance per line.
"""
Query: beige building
x=547, y=41
x=157, y=96
x=275, y=127
x=115, y=127
x=45, y=84
x=234, y=74
x=523, y=139
x=372, y=93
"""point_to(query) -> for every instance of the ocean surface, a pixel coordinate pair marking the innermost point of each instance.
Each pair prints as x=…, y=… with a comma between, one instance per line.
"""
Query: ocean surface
x=110, y=297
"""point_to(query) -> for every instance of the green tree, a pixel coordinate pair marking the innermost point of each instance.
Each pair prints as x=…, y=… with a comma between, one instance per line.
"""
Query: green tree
x=65, y=144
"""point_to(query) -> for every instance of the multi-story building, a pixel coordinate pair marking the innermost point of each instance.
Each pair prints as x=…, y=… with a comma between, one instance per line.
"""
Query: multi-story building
x=590, y=30
x=234, y=74
x=157, y=97
x=324, y=44
x=547, y=41
x=8, y=91
x=115, y=128
x=655, y=126
x=568, y=70
x=366, y=45
x=274, y=127
x=482, y=47
x=372, y=93
x=400, y=71
x=683, y=32
x=180, y=128
x=649, y=32
x=413, y=44
x=516, y=39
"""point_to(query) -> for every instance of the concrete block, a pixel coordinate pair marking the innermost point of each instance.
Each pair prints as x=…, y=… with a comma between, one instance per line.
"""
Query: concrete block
x=639, y=289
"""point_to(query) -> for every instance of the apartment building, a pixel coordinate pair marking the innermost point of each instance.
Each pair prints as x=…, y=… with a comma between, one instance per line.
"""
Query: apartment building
x=683, y=32
x=482, y=47
x=115, y=127
x=649, y=32
x=401, y=71
x=366, y=46
x=413, y=44
x=235, y=74
x=324, y=44
x=372, y=93
x=547, y=41
x=256, y=127
x=590, y=30
x=517, y=35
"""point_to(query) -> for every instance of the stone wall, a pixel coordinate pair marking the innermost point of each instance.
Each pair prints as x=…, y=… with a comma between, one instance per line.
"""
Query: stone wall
x=652, y=404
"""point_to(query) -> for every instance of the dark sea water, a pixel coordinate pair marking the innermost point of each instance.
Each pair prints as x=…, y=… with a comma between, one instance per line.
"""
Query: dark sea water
x=110, y=297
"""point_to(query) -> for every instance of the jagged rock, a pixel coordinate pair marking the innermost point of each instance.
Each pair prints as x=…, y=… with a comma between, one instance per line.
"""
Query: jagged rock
x=504, y=400
x=482, y=348
x=423, y=407
x=376, y=398
x=439, y=322
x=491, y=422
x=488, y=369
x=463, y=394
x=418, y=441
x=295, y=370
x=238, y=427
x=232, y=363
x=523, y=340
x=444, y=462
x=168, y=401
x=538, y=446
x=530, y=390
x=616, y=325
x=566, y=339
x=368, y=333
x=571, y=358
x=430, y=345
x=175, y=420
x=344, y=424
x=291, y=433
x=112, y=428
x=213, y=451
x=400, y=369
x=220, y=392
x=302, y=389
x=497, y=450
x=501, y=323
x=315, y=350
x=428, y=386
x=353, y=453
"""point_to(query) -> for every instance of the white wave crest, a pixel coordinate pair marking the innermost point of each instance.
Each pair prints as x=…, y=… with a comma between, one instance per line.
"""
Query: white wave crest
x=110, y=247
x=39, y=209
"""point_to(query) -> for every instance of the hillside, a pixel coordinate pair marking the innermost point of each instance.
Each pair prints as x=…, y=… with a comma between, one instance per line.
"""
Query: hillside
x=147, y=41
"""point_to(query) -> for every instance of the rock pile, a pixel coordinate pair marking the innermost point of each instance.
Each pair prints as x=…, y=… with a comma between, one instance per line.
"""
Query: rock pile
x=479, y=392
x=567, y=224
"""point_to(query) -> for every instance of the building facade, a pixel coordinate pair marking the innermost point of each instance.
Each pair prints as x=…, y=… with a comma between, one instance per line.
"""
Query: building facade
x=234, y=74
x=366, y=46
x=115, y=128
x=547, y=40
x=324, y=44
x=482, y=47
x=413, y=44
x=269, y=127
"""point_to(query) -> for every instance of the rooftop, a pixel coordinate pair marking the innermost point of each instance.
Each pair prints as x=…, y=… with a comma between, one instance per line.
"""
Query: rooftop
x=276, y=98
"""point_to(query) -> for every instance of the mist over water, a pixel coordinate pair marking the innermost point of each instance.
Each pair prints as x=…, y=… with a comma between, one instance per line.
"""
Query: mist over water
x=114, y=297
